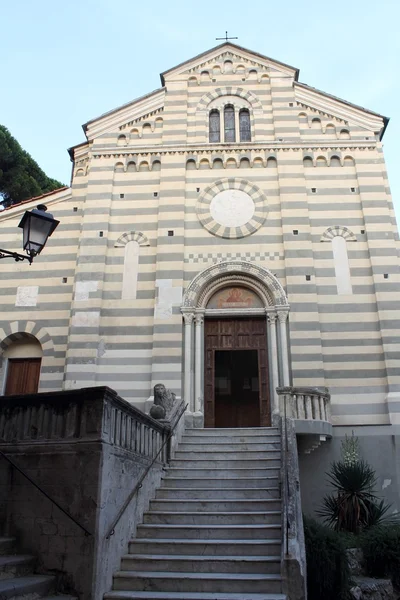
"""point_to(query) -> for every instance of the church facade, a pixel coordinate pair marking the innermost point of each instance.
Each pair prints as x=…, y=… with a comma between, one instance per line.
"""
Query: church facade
x=228, y=234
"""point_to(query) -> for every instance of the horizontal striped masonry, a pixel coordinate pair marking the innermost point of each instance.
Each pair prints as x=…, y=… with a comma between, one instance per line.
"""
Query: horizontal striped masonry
x=142, y=188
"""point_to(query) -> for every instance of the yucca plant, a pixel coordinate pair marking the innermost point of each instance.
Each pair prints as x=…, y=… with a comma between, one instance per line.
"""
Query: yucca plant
x=352, y=506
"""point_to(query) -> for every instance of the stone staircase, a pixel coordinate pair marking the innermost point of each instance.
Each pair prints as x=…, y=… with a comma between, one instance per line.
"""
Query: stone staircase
x=17, y=578
x=214, y=529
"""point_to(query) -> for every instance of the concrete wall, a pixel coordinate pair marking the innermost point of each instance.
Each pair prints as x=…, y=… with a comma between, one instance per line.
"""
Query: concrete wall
x=379, y=446
x=86, y=449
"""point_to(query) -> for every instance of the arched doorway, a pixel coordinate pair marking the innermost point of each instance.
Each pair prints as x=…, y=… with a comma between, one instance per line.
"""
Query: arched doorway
x=236, y=356
x=23, y=358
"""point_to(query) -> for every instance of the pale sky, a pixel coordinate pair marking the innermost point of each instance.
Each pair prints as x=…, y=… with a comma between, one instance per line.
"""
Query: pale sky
x=64, y=63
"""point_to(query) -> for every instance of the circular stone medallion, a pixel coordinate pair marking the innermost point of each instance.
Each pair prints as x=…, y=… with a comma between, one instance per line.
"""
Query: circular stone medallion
x=232, y=208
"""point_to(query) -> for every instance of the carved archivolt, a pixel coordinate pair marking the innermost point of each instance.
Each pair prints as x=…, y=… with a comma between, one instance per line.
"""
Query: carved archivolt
x=229, y=91
x=18, y=330
x=129, y=236
x=220, y=275
x=338, y=230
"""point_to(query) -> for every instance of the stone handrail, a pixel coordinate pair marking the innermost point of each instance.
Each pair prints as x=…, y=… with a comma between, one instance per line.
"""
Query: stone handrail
x=305, y=403
x=293, y=556
x=87, y=414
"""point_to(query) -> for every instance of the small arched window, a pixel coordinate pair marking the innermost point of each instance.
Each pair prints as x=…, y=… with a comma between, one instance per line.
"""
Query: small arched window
x=229, y=123
x=244, y=125
x=215, y=126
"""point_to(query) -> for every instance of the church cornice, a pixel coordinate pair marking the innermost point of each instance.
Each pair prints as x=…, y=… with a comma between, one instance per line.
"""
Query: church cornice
x=195, y=149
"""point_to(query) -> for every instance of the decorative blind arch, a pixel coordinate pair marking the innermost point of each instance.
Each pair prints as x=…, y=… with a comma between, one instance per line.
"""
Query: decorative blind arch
x=338, y=230
x=132, y=236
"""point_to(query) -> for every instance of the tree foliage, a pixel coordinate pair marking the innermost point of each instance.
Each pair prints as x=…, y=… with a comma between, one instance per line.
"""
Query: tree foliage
x=20, y=176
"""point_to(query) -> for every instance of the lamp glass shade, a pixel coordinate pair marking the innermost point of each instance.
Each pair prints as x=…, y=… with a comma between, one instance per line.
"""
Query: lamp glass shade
x=37, y=226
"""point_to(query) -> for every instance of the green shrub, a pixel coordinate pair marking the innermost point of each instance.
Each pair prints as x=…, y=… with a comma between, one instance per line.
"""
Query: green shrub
x=381, y=548
x=328, y=574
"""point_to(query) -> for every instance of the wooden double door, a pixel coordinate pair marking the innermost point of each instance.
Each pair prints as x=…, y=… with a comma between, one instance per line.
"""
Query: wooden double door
x=22, y=376
x=236, y=386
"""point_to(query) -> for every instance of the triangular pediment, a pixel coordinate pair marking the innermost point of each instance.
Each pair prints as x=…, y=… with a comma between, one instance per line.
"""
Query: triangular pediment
x=228, y=51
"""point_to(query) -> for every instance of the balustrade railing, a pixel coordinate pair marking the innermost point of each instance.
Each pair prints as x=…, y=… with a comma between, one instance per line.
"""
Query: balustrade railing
x=86, y=414
x=305, y=403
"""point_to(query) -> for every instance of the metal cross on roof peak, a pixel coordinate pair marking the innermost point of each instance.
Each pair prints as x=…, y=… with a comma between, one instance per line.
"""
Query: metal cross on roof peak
x=226, y=38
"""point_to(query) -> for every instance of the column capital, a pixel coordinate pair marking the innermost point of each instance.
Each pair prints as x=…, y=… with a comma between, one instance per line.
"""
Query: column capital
x=272, y=317
x=199, y=318
x=188, y=317
x=283, y=315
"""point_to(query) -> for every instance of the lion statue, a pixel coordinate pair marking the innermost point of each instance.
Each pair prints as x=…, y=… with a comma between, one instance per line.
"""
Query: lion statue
x=163, y=402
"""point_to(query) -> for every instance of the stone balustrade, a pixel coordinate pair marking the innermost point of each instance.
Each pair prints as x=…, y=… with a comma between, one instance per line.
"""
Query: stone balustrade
x=309, y=407
x=86, y=415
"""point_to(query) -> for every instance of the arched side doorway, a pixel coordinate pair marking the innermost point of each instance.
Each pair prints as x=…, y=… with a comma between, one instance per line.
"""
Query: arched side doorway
x=26, y=350
x=236, y=354
x=23, y=362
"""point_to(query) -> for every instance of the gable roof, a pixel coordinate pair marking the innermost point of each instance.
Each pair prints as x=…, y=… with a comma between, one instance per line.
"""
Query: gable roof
x=354, y=112
x=228, y=45
x=34, y=200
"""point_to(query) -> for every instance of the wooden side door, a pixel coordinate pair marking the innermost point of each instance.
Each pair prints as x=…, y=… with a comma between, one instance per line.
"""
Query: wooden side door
x=23, y=376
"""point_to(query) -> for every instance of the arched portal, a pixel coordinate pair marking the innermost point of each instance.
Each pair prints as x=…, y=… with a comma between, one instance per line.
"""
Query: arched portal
x=236, y=354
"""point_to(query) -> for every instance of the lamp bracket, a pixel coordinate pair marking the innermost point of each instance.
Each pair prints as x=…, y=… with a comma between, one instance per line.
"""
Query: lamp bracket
x=15, y=255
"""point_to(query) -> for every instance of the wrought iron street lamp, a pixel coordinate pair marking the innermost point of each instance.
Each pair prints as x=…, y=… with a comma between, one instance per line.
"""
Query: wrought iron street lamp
x=37, y=225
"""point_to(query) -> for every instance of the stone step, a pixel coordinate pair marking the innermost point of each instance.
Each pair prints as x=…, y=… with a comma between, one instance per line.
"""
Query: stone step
x=232, y=547
x=60, y=597
x=201, y=564
x=214, y=505
x=224, y=463
x=212, y=518
x=203, y=493
x=230, y=439
x=226, y=482
x=222, y=446
x=7, y=545
x=29, y=586
x=125, y=595
x=209, y=532
x=196, y=582
x=15, y=565
x=218, y=473
x=220, y=431
x=207, y=454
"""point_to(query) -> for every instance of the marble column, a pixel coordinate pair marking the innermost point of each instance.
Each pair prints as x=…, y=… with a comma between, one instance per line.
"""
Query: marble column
x=272, y=317
x=187, y=394
x=283, y=315
x=199, y=320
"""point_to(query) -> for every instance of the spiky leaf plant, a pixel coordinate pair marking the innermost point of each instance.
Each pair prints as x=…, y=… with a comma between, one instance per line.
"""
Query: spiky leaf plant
x=354, y=506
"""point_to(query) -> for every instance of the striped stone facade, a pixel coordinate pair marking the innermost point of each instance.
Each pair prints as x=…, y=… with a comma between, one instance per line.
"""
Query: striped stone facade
x=137, y=226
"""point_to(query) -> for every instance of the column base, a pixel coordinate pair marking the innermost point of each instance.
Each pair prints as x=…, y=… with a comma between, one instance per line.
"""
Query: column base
x=194, y=420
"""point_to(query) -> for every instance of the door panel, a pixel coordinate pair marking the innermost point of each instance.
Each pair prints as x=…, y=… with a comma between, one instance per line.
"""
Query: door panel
x=236, y=334
x=23, y=376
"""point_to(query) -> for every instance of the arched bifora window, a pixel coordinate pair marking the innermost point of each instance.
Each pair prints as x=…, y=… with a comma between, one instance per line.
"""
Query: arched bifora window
x=244, y=125
x=229, y=123
x=215, y=126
